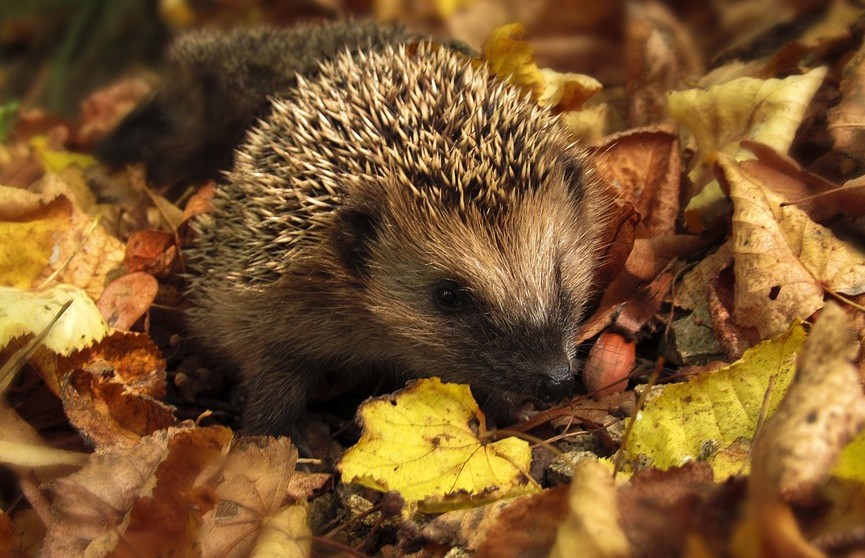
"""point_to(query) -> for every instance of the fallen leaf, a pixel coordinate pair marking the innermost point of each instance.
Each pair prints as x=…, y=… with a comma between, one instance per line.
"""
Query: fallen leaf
x=510, y=56
x=127, y=298
x=284, y=534
x=526, y=526
x=428, y=442
x=591, y=528
x=661, y=56
x=766, y=111
x=783, y=260
x=28, y=313
x=134, y=498
x=154, y=252
x=692, y=420
x=847, y=118
x=642, y=166
x=254, y=484
x=823, y=409
x=106, y=412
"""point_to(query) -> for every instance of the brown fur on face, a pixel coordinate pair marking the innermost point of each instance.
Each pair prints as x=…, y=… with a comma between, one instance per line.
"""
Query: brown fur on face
x=359, y=201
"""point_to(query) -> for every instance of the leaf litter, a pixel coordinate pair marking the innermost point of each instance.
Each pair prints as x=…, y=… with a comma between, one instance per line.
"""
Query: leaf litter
x=737, y=181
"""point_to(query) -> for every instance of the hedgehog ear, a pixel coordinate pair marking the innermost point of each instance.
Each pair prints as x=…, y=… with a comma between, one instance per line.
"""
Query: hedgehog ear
x=356, y=228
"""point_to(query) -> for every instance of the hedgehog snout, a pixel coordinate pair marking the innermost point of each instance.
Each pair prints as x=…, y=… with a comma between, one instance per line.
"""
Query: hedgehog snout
x=557, y=381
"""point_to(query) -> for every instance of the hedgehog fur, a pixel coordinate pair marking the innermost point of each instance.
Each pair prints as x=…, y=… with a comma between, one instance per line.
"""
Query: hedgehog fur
x=216, y=84
x=400, y=213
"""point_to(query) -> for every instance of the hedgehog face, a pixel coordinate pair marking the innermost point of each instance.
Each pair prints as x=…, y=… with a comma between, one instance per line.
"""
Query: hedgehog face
x=490, y=298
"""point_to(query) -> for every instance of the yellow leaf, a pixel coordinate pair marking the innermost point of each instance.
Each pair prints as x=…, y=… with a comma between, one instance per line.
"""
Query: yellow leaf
x=54, y=160
x=510, y=56
x=27, y=234
x=428, y=443
x=23, y=313
x=716, y=408
x=591, y=529
x=767, y=111
x=822, y=411
x=284, y=534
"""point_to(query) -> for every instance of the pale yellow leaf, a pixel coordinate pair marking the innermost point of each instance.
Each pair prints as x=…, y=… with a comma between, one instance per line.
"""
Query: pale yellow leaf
x=428, y=442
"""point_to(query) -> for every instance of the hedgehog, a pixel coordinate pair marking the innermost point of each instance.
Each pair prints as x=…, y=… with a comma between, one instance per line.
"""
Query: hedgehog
x=216, y=84
x=402, y=214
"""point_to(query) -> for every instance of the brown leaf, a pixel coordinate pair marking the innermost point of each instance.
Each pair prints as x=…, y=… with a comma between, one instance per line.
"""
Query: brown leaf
x=251, y=486
x=154, y=252
x=133, y=357
x=127, y=298
x=823, y=409
x=108, y=414
x=772, y=287
x=526, y=527
x=660, y=56
x=657, y=507
x=847, y=119
x=642, y=166
x=103, y=109
x=90, y=507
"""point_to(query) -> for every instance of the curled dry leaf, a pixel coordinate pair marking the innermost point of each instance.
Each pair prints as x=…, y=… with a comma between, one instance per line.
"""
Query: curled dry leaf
x=591, y=528
x=847, y=118
x=145, y=494
x=525, y=526
x=153, y=252
x=822, y=411
x=509, y=55
x=767, y=111
x=106, y=413
x=133, y=358
x=255, y=484
x=642, y=166
x=660, y=56
x=128, y=298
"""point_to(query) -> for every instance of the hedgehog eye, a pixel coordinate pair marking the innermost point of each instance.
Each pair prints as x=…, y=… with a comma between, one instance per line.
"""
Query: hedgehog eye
x=450, y=297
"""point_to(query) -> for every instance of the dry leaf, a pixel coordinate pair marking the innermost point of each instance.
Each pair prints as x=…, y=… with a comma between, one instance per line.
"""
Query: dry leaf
x=591, y=528
x=428, y=442
x=251, y=489
x=642, y=166
x=127, y=298
x=823, y=409
x=766, y=111
x=847, y=118
x=526, y=526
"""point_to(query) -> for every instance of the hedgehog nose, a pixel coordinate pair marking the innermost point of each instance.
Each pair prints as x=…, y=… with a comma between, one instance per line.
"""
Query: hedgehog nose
x=557, y=382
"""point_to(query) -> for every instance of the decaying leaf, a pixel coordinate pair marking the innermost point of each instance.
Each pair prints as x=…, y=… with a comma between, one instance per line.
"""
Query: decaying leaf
x=642, y=166
x=783, y=260
x=127, y=298
x=847, y=119
x=592, y=526
x=509, y=55
x=428, y=443
x=693, y=420
x=260, y=500
x=767, y=111
x=822, y=410
x=144, y=493
x=27, y=313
